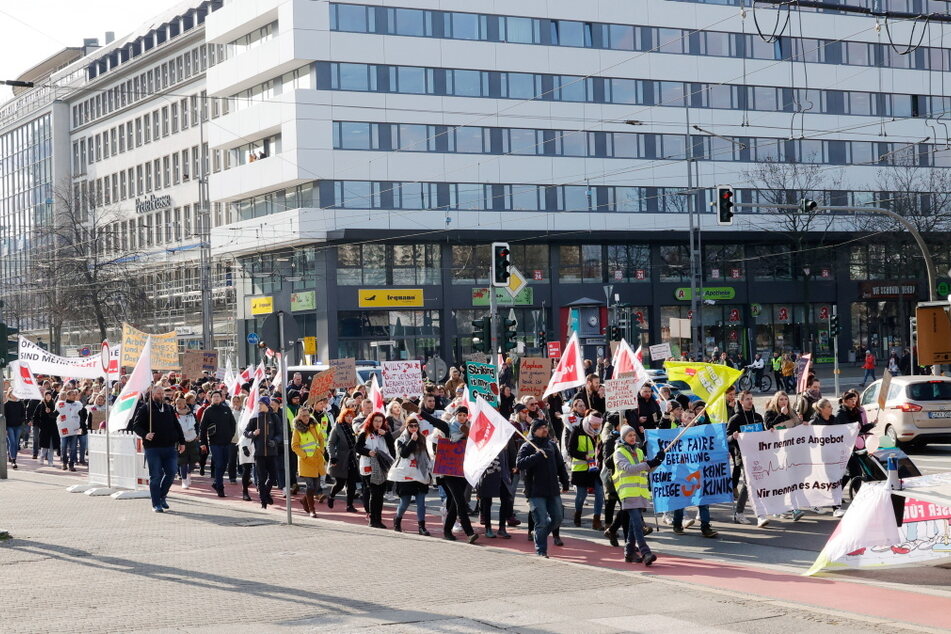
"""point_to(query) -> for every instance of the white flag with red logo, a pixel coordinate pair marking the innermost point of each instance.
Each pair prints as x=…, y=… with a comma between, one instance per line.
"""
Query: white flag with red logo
x=376, y=395
x=250, y=405
x=489, y=433
x=570, y=370
x=24, y=383
x=627, y=362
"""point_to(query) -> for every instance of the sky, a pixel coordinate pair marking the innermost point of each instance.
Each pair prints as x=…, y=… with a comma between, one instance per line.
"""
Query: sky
x=36, y=29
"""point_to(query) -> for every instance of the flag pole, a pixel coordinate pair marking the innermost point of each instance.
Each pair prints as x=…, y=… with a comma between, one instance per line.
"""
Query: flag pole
x=108, y=431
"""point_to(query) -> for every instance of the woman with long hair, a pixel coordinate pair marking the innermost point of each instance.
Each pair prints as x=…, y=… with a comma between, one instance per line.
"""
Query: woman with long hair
x=780, y=414
x=375, y=446
x=414, y=466
x=455, y=486
x=343, y=458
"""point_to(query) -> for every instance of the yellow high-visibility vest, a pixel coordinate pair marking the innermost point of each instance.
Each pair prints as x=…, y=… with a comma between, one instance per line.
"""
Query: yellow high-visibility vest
x=630, y=485
x=586, y=445
x=308, y=443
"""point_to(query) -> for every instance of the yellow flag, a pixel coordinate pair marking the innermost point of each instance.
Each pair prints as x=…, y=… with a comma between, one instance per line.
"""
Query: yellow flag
x=709, y=381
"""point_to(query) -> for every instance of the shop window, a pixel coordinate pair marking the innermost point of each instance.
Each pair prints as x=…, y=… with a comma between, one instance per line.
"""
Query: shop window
x=581, y=263
x=628, y=263
x=675, y=263
x=470, y=264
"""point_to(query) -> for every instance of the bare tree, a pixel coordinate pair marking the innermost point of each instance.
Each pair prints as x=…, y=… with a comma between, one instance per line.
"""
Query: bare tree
x=83, y=280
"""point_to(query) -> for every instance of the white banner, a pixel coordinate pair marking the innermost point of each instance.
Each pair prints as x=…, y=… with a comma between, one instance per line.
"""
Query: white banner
x=24, y=384
x=796, y=468
x=402, y=379
x=42, y=362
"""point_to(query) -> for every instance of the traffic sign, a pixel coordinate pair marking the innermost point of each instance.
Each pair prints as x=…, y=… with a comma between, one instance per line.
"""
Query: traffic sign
x=517, y=282
x=253, y=338
x=104, y=356
x=944, y=288
x=85, y=351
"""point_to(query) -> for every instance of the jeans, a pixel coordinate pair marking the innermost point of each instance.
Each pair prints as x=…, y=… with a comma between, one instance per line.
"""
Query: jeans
x=869, y=376
x=704, y=516
x=635, y=533
x=506, y=508
x=267, y=475
x=420, y=506
x=456, y=505
x=547, y=514
x=163, y=464
x=68, y=443
x=13, y=441
x=219, y=462
x=83, y=441
x=581, y=494
x=36, y=440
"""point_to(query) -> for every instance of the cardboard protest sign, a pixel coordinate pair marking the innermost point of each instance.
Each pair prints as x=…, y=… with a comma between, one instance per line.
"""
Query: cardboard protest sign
x=320, y=385
x=450, y=457
x=196, y=362
x=402, y=379
x=164, y=348
x=345, y=373
x=480, y=378
x=696, y=470
x=621, y=394
x=796, y=468
x=533, y=376
x=661, y=352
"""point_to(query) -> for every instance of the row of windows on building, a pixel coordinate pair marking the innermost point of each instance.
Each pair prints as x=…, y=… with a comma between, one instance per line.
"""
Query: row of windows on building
x=331, y=194
x=916, y=7
x=624, y=37
x=411, y=137
x=144, y=178
x=171, y=119
x=469, y=265
x=144, y=85
x=419, y=80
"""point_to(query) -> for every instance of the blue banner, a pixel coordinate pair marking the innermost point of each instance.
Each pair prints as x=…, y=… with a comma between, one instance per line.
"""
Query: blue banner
x=695, y=471
x=744, y=429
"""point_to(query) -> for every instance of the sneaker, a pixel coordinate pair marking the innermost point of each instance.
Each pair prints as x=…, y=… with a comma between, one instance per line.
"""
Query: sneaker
x=819, y=510
x=164, y=504
x=503, y=534
x=158, y=509
x=762, y=521
x=690, y=522
x=797, y=515
x=473, y=537
x=838, y=513
x=633, y=559
x=667, y=519
x=739, y=518
x=709, y=532
x=679, y=530
x=187, y=482
x=490, y=534
x=649, y=558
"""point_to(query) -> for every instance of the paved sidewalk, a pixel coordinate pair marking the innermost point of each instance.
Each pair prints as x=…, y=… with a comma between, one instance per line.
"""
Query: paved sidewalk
x=81, y=564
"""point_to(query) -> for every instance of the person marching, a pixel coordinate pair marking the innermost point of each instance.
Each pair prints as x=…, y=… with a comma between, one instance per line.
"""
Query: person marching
x=583, y=450
x=376, y=449
x=343, y=459
x=308, y=443
x=542, y=467
x=413, y=459
x=266, y=437
x=630, y=480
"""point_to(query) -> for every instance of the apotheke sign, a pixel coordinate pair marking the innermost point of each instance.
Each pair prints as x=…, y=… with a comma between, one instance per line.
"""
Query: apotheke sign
x=152, y=203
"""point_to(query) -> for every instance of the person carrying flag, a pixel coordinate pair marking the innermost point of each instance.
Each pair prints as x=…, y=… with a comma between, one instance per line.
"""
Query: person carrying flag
x=155, y=422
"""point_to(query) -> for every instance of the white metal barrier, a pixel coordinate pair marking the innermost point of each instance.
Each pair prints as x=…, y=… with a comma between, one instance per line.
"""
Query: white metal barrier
x=126, y=460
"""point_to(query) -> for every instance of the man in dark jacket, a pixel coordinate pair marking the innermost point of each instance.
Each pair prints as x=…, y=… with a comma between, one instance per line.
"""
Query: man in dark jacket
x=542, y=467
x=156, y=424
x=266, y=434
x=217, y=432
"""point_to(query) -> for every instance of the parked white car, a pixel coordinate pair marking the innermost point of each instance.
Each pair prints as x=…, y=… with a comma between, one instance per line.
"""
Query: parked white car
x=917, y=409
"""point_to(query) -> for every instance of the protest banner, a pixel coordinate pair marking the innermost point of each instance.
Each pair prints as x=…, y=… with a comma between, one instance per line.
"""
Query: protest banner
x=752, y=427
x=345, y=373
x=197, y=362
x=42, y=362
x=709, y=381
x=320, y=385
x=402, y=379
x=450, y=457
x=796, y=468
x=164, y=348
x=533, y=376
x=480, y=378
x=661, y=352
x=621, y=394
x=696, y=469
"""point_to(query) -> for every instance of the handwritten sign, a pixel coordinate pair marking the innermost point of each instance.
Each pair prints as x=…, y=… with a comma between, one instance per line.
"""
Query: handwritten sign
x=321, y=385
x=402, y=379
x=345, y=373
x=164, y=348
x=661, y=352
x=621, y=394
x=197, y=362
x=533, y=376
x=480, y=377
x=449, y=458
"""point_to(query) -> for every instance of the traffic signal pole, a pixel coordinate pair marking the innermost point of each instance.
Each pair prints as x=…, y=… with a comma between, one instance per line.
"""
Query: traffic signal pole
x=493, y=330
x=835, y=348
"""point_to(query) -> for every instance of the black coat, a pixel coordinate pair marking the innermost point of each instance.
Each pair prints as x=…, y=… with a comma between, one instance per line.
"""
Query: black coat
x=46, y=420
x=163, y=423
x=844, y=415
x=220, y=420
x=587, y=478
x=542, y=473
x=341, y=448
x=648, y=407
x=268, y=443
x=15, y=413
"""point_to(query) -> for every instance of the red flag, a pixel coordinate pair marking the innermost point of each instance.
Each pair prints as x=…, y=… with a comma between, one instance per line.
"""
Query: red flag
x=489, y=433
x=376, y=396
x=570, y=370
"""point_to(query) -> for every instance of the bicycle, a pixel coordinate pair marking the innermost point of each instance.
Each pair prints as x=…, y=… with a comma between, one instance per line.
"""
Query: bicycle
x=745, y=382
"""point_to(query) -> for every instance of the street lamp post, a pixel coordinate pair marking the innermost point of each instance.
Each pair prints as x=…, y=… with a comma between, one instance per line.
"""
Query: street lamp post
x=807, y=332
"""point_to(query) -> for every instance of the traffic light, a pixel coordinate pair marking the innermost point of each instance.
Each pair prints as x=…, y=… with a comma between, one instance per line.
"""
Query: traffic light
x=482, y=335
x=617, y=333
x=807, y=206
x=10, y=348
x=724, y=205
x=500, y=264
x=542, y=338
x=914, y=330
x=508, y=335
x=835, y=328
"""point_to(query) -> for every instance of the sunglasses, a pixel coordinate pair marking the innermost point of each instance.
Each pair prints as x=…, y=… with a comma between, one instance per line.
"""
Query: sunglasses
x=413, y=425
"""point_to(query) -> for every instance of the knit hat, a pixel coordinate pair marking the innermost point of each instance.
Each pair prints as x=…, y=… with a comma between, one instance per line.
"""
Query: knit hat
x=624, y=431
x=520, y=407
x=537, y=424
x=264, y=400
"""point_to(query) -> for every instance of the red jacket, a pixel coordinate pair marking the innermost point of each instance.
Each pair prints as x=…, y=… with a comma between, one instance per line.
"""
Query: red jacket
x=869, y=362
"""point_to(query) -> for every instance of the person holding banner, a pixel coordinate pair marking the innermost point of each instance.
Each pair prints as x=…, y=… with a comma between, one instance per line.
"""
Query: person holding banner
x=585, y=469
x=70, y=423
x=745, y=419
x=703, y=510
x=542, y=467
x=375, y=447
x=455, y=486
x=780, y=413
x=630, y=481
x=14, y=414
x=45, y=419
x=648, y=410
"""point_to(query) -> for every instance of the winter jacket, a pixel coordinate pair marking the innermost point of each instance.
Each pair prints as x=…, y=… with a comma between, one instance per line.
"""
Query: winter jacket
x=217, y=425
x=15, y=413
x=542, y=473
x=625, y=466
x=589, y=477
x=312, y=466
x=375, y=467
x=651, y=409
x=774, y=419
x=341, y=446
x=844, y=415
x=269, y=441
x=162, y=422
